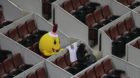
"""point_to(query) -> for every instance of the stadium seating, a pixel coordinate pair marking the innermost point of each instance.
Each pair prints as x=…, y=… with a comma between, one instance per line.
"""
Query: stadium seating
x=39, y=73
x=130, y=3
x=12, y=66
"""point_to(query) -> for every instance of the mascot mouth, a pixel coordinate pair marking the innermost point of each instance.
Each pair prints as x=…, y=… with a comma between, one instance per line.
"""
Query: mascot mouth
x=54, y=50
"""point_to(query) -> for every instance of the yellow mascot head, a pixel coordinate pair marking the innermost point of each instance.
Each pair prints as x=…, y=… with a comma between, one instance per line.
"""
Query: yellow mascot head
x=49, y=43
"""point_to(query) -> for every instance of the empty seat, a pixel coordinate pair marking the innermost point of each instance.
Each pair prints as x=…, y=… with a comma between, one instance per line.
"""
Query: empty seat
x=108, y=32
x=114, y=33
x=14, y=35
x=60, y=61
x=121, y=28
x=130, y=2
x=31, y=75
x=107, y=64
x=99, y=70
x=76, y=4
x=67, y=57
x=90, y=22
x=84, y=2
x=22, y=30
x=82, y=76
x=35, y=47
x=41, y=73
x=130, y=26
x=68, y=6
x=135, y=4
x=136, y=44
x=98, y=16
x=18, y=62
x=118, y=45
x=1, y=15
x=31, y=26
x=2, y=72
x=107, y=14
x=125, y=2
x=9, y=67
x=90, y=73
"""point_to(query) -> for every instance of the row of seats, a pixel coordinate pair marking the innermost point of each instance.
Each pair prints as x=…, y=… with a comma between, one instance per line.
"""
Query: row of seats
x=26, y=34
x=130, y=3
x=74, y=5
x=39, y=73
x=79, y=8
x=99, y=69
x=13, y=66
x=98, y=19
x=121, y=34
x=65, y=63
x=136, y=44
x=3, y=22
x=72, y=67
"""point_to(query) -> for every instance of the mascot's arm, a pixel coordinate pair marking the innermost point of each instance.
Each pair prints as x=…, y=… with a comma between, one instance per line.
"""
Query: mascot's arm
x=45, y=53
x=51, y=53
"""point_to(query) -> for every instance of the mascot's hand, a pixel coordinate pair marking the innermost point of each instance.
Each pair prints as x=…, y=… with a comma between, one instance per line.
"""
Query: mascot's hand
x=61, y=50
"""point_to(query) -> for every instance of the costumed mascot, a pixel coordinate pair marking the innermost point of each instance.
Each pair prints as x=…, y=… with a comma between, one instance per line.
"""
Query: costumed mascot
x=49, y=43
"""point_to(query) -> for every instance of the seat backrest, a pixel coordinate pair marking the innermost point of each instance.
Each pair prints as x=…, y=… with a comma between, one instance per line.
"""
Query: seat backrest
x=106, y=11
x=99, y=70
x=130, y=2
x=121, y=28
x=41, y=73
x=91, y=73
x=107, y=65
x=98, y=15
x=2, y=72
x=14, y=34
x=76, y=4
x=31, y=75
x=60, y=61
x=35, y=47
x=1, y=16
x=8, y=65
x=22, y=30
x=125, y=2
x=68, y=6
x=138, y=41
x=31, y=26
x=108, y=32
x=17, y=59
x=90, y=20
x=114, y=33
x=83, y=2
x=129, y=23
x=67, y=58
x=136, y=44
x=82, y=76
